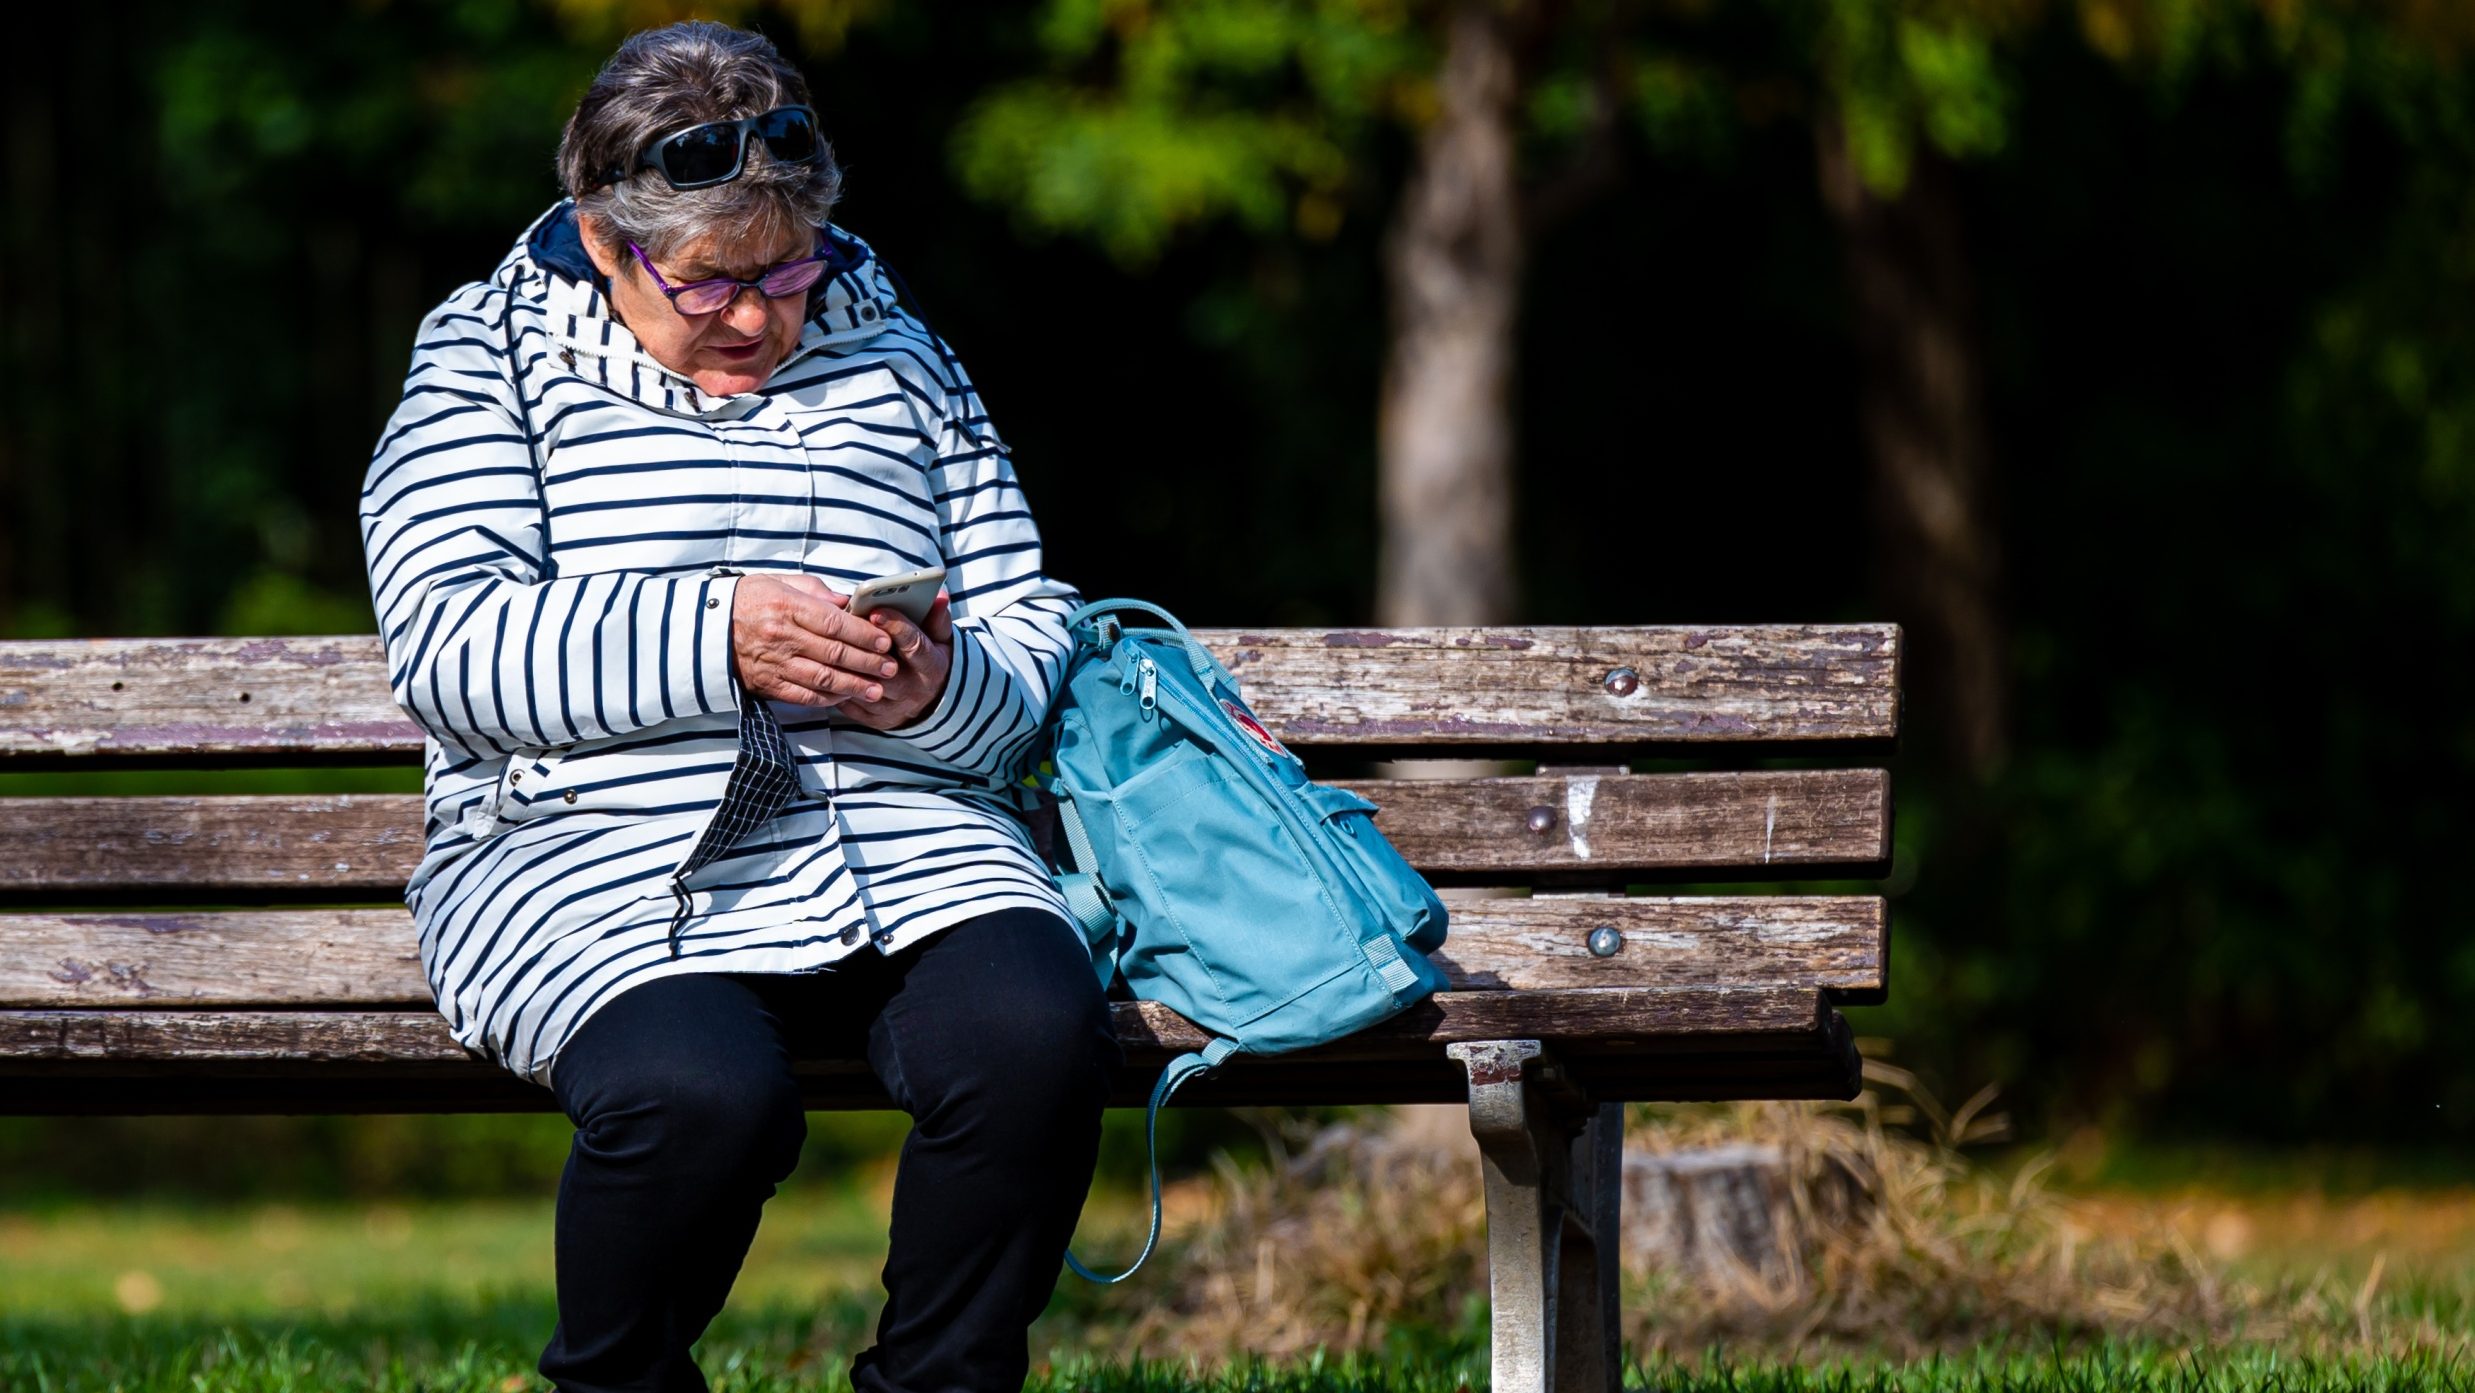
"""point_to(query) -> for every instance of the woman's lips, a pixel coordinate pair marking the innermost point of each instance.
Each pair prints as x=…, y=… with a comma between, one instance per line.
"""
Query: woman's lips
x=740, y=352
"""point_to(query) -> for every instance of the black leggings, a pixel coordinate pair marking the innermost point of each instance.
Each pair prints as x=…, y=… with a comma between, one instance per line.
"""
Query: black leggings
x=994, y=1037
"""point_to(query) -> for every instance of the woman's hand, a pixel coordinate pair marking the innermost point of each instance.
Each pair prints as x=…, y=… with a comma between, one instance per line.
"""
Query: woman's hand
x=793, y=639
x=925, y=653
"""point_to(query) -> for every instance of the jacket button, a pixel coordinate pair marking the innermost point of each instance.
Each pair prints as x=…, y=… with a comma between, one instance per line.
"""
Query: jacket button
x=850, y=935
x=516, y=778
x=571, y=795
x=713, y=602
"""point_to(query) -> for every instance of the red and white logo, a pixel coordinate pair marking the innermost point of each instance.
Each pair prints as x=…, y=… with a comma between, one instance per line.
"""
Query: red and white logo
x=1253, y=727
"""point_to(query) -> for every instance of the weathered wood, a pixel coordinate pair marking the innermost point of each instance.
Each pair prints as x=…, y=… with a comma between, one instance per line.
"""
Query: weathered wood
x=1146, y=1028
x=371, y=957
x=326, y=698
x=342, y=845
x=1677, y=1044
x=360, y=1087
x=289, y=698
x=331, y=846
x=1807, y=819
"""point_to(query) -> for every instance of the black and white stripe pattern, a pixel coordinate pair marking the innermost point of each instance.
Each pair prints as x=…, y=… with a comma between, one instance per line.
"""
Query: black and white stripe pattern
x=555, y=527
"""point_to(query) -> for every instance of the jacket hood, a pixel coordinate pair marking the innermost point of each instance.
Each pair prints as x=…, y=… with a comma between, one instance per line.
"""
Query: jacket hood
x=549, y=269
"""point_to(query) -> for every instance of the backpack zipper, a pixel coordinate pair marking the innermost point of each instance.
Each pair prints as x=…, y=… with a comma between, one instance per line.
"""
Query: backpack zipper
x=1283, y=801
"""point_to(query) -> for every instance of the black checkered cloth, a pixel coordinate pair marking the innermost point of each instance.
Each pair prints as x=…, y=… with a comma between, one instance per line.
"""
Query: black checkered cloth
x=763, y=778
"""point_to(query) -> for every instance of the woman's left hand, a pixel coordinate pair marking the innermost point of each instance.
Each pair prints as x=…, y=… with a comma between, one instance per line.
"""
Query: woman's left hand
x=924, y=652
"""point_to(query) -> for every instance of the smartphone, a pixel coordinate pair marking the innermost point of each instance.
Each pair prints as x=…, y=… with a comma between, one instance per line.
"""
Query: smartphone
x=909, y=594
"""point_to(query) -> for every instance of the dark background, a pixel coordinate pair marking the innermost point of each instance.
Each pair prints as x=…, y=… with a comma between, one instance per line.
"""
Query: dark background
x=2213, y=893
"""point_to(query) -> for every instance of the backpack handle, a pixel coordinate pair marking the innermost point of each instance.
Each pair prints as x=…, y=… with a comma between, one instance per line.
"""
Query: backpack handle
x=1205, y=665
x=1110, y=606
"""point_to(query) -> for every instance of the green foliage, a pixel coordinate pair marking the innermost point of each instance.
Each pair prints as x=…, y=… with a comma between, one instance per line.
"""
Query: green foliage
x=1903, y=73
x=1248, y=109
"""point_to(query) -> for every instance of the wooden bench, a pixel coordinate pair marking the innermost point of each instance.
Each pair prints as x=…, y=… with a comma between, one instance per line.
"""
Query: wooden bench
x=118, y=995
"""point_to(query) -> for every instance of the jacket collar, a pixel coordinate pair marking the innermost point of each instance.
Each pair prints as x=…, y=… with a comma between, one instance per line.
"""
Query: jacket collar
x=548, y=267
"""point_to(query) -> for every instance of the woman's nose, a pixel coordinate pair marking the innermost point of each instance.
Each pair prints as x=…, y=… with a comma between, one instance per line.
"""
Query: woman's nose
x=746, y=314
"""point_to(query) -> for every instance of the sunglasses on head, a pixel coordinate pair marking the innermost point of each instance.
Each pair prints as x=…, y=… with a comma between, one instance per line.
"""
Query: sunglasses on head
x=713, y=153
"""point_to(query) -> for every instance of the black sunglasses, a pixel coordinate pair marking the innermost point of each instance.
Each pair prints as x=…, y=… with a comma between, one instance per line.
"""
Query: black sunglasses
x=713, y=153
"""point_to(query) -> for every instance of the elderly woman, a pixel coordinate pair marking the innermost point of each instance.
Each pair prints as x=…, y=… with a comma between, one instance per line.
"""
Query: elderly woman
x=689, y=815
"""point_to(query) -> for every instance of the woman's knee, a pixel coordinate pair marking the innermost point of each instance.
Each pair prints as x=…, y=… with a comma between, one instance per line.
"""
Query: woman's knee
x=755, y=1115
x=691, y=1077
x=1045, y=1044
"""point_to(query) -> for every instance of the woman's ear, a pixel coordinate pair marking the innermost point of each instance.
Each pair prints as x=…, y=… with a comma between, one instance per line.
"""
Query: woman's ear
x=588, y=229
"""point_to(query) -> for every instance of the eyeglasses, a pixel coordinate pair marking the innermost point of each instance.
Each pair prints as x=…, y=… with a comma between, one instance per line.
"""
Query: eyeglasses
x=713, y=153
x=705, y=297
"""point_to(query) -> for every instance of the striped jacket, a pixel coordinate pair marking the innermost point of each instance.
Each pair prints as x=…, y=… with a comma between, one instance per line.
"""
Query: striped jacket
x=555, y=526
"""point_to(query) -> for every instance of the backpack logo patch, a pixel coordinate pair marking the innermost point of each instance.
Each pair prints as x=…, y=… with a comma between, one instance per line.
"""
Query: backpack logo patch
x=1247, y=722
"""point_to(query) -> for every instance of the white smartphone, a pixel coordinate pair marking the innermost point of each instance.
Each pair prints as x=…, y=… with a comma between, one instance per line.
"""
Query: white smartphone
x=909, y=594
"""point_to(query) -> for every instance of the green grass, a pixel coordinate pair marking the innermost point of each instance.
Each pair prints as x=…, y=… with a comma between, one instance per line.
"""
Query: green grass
x=490, y=1346
x=447, y=1297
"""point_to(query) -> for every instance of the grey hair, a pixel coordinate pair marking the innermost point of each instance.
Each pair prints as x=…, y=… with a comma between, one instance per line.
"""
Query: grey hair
x=661, y=80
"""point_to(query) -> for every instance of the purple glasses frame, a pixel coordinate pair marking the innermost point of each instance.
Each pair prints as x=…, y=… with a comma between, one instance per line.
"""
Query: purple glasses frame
x=787, y=278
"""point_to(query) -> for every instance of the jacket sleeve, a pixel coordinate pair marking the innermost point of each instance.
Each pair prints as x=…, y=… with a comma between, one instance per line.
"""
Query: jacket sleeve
x=487, y=649
x=1010, y=641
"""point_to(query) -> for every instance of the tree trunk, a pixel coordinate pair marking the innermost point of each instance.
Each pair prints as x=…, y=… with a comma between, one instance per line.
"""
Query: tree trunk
x=1453, y=261
x=1921, y=385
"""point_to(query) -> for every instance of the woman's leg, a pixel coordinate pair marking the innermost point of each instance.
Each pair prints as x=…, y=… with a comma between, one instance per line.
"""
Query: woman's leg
x=995, y=1037
x=686, y=1116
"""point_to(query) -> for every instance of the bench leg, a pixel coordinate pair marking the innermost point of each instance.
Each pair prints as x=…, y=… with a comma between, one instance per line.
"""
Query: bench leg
x=1553, y=1173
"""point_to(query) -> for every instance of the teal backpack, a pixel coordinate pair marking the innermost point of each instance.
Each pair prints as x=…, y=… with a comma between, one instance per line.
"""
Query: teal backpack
x=1210, y=872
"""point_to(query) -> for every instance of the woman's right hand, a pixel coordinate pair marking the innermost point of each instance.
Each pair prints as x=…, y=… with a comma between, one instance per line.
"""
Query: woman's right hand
x=795, y=640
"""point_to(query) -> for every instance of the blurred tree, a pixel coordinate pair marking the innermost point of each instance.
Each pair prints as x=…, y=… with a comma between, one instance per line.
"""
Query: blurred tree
x=1905, y=88
x=1156, y=117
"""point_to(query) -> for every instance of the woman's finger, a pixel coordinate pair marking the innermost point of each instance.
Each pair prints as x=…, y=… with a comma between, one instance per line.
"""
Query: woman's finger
x=907, y=637
x=835, y=620
x=814, y=684
x=824, y=632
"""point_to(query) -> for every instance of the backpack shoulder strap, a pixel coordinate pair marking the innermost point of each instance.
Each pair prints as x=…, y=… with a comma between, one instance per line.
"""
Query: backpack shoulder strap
x=1085, y=895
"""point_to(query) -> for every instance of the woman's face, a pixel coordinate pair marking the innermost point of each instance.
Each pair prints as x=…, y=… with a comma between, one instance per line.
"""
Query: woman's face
x=735, y=348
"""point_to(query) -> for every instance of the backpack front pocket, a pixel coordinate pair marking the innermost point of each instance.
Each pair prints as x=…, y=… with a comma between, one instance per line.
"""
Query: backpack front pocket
x=1190, y=838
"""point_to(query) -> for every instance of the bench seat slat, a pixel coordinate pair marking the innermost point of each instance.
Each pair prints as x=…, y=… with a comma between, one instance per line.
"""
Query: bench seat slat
x=1630, y=1018
x=370, y=957
x=341, y=846
x=1653, y=1044
x=376, y=1089
x=326, y=698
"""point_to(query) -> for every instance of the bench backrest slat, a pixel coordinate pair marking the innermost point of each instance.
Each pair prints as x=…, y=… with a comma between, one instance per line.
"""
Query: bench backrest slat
x=297, y=700
x=1498, y=830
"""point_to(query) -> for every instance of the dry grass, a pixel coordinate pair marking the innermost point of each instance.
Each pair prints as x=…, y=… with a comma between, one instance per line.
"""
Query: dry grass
x=1891, y=1238
x=1347, y=1234
x=1937, y=1252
